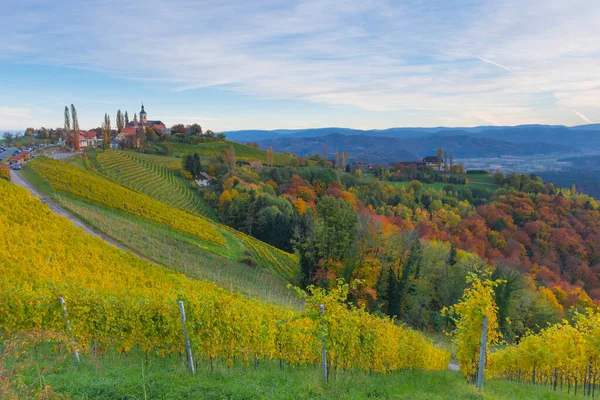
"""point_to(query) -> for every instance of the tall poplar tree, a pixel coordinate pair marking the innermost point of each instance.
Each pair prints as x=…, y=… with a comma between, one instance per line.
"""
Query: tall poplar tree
x=445, y=161
x=106, y=132
x=75, y=136
x=126, y=118
x=438, y=161
x=120, y=121
x=67, y=127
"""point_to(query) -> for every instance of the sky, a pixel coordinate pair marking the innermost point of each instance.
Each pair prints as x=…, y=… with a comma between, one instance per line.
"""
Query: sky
x=265, y=64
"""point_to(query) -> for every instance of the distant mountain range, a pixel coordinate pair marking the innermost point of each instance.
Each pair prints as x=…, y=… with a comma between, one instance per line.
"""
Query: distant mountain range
x=532, y=133
x=378, y=149
x=393, y=144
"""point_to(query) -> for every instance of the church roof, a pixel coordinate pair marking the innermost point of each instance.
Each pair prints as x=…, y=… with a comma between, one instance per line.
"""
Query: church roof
x=135, y=124
x=154, y=122
x=142, y=112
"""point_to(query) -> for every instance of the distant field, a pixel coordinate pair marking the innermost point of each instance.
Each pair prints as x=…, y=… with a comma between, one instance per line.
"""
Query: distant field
x=242, y=152
x=479, y=181
x=481, y=178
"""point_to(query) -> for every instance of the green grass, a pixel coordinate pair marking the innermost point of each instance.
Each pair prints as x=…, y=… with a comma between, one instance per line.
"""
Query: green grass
x=479, y=181
x=116, y=376
x=148, y=175
x=242, y=152
x=482, y=178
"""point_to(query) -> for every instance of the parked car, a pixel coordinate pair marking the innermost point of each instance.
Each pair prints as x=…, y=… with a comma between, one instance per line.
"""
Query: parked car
x=16, y=166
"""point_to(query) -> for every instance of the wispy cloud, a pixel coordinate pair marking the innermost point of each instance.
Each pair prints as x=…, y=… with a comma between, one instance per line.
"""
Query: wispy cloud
x=378, y=56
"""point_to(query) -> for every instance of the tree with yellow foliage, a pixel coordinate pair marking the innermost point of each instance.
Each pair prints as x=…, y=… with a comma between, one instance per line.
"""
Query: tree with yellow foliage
x=476, y=304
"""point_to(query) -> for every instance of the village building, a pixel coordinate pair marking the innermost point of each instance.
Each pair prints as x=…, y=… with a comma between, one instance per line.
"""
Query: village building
x=129, y=132
x=410, y=164
x=430, y=161
x=19, y=159
x=136, y=126
x=363, y=166
x=88, y=139
x=202, y=179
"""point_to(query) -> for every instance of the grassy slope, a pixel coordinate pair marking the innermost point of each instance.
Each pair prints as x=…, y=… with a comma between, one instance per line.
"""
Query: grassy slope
x=118, y=377
x=175, y=251
x=242, y=152
x=236, y=243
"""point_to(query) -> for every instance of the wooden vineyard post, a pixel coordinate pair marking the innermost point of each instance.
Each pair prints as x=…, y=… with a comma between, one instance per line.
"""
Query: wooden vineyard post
x=68, y=323
x=188, y=348
x=323, y=350
x=482, y=353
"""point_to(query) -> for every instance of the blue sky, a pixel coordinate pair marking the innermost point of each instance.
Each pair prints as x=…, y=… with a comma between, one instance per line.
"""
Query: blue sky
x=294, y=64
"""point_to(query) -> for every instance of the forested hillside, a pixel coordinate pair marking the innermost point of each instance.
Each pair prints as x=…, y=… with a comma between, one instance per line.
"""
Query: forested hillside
x=411, y=247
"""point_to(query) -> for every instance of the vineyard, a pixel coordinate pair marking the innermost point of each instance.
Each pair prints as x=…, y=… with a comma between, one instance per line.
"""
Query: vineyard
x=115, y=300
x=242, y=151
x=172, y=163
x=95, y=189
x=83, y=184
x=152, y=177
x=563, y=356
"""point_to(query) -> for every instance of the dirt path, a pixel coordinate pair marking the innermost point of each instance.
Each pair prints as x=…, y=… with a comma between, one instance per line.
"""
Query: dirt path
x=18, y=179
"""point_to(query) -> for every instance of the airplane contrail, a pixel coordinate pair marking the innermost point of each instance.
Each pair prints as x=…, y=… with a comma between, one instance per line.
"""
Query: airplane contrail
x=583, y=117
x=496, y=64
x=580, y=115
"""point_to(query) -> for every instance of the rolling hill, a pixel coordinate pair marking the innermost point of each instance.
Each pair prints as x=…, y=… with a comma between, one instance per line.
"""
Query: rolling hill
x=207, y=235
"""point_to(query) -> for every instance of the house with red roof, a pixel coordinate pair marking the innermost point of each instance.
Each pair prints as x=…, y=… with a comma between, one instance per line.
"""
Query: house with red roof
x=88, y=139
x=16, y=159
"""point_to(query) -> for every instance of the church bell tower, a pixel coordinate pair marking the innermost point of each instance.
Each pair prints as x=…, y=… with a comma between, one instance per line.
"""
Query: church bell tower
x=143, y=117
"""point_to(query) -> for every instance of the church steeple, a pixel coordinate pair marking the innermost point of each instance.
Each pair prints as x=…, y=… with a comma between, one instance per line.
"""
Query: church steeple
x=143, y=117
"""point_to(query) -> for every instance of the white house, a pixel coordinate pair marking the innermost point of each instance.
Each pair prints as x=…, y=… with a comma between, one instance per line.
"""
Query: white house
x=430, y=161
x=203, y=179
x=88, y=139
